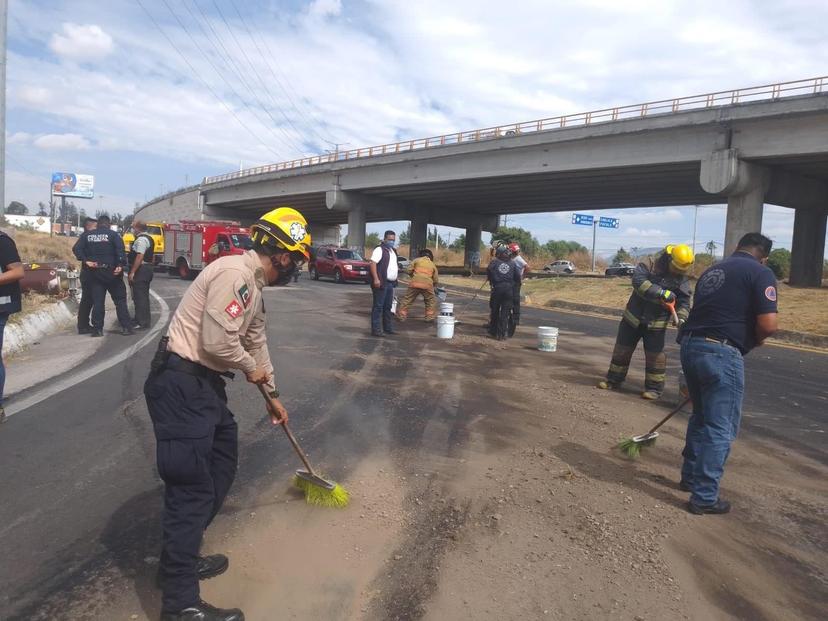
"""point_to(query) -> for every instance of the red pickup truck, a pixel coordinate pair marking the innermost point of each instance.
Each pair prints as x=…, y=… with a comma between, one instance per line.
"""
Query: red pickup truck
x=341, y=264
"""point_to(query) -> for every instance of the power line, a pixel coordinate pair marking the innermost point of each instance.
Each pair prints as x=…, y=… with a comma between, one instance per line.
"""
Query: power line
x=266, y=57
x=238, y=71
x=207, y=58
x=206, y=85
x=249, y=62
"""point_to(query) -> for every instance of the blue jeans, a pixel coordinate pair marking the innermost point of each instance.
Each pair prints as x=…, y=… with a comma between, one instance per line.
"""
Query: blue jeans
x=381, y=318
x=4, y=317
x=715, y=376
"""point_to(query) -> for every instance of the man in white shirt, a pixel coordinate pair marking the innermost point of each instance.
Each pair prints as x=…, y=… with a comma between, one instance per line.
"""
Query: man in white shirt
x=522, y=268
x=140, y=260
x=384, y=270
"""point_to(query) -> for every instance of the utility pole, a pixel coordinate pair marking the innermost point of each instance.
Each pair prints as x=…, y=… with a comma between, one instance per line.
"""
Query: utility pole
x=4, y=16
x=594, y=231
x=695, y=221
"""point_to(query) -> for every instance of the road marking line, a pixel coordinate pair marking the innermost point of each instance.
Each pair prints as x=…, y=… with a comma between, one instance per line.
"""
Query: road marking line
x=76, y=378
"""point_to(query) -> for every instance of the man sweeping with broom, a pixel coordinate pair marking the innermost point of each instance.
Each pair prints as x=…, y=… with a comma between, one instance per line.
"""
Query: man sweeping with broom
x=218, y=326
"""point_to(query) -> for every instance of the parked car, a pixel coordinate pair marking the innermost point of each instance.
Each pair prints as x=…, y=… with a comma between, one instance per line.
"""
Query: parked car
x=620, y=269
x=341, y=264
x=403, y=263
x=560, y=267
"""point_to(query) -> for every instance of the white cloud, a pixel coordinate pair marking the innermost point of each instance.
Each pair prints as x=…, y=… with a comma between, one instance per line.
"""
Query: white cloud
x=18, y=138
x=646, y=233
x=34, y=95
x=61, y=142
x=325, y=8
x=81, y=42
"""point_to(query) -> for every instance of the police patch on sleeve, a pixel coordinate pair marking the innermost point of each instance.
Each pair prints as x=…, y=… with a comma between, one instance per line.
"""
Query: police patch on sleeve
x=244, y=295
x=770, y=293
x=234, y=309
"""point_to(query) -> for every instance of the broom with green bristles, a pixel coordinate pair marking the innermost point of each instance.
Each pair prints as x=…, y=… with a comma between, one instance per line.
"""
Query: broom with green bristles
x=631, y=447
x=318, y=491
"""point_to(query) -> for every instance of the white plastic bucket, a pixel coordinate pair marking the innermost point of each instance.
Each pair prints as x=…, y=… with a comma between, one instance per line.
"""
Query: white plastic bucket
x=445, y=327
x=394, y=306
x=547, y=338
x=447, y=308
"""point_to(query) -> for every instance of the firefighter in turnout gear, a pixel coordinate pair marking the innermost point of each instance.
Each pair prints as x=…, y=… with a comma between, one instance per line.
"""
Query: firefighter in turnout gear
x=646, y=317
x=219, y=326
x=424, y=276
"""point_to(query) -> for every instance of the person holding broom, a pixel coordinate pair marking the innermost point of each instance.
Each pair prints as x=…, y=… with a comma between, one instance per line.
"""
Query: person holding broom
x=647, y=315
x=424, y=278
x=218, y=326
x=734, y=310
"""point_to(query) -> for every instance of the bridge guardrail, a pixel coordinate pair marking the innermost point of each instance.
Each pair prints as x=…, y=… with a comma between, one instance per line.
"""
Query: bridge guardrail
x=768, y=92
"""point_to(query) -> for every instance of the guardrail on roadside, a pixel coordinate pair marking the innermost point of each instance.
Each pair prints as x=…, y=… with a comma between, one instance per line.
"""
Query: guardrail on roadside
x=768, y=92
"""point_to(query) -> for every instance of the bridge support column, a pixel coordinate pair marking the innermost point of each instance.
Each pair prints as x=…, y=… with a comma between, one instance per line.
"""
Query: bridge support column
x=808, y=247
x=474, y=237
x=419, y=235
x=356, y=229
x=744, y=185
x=744, y=215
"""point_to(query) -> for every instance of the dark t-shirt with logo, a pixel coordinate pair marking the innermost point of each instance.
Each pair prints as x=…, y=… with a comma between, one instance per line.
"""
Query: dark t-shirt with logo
x=729, y=296
x=10, y=293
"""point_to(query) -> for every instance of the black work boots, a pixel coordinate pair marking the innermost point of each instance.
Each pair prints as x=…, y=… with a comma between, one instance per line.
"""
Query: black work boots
x=204, y=612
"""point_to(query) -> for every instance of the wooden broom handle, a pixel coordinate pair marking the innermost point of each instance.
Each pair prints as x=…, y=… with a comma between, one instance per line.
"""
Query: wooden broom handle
x=268, y=399
x=670, y=415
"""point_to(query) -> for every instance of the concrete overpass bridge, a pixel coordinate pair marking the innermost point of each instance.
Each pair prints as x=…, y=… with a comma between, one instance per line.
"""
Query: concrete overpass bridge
x=748, y=147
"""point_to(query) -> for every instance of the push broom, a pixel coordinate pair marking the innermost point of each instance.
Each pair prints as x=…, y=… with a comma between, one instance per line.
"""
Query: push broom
x=318, y=491
x=631, y=447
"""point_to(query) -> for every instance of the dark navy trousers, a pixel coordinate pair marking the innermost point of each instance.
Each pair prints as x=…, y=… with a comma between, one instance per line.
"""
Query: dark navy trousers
x=197, y=455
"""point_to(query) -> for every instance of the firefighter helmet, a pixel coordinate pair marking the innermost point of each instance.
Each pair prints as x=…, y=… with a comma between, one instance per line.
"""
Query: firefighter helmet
x=284, y=228
x=681, y=257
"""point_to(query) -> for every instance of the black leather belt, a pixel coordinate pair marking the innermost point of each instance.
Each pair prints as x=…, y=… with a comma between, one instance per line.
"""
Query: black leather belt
x=177, y=363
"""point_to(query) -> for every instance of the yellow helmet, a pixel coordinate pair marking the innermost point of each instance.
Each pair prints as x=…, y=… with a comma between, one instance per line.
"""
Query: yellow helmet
x=285, y=228
x=681, y=257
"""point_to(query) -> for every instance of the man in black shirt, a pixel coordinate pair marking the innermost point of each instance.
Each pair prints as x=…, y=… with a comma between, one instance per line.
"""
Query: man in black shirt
x=102, y=251
x=85, y=306
x=734, y=310
x=503, y=276
x=11, y=273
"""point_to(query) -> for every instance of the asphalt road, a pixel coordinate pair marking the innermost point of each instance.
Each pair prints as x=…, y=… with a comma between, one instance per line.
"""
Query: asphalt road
x=81, y=497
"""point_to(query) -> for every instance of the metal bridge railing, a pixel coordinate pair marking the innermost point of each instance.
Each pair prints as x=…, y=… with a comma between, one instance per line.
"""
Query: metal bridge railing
x=768, y=92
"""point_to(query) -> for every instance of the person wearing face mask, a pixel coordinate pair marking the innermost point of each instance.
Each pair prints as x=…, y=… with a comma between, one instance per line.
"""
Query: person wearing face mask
x=384, y=269
x=219, y=326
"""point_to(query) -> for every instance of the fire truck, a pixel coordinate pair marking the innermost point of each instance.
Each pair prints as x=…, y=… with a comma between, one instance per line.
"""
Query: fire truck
x=191, y=245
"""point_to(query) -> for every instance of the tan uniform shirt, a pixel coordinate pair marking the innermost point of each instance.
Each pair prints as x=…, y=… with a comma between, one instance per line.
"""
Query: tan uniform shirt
x=220, y=322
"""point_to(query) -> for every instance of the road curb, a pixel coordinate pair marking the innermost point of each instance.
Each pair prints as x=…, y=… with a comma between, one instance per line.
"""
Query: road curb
x=19, y=336
x=788, y=337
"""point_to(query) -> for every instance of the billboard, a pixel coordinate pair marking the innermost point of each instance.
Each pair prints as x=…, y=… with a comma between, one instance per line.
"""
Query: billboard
x=75, y=186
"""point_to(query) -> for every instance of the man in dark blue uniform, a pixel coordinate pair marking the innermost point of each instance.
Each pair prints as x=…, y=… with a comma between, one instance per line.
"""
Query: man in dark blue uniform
x=734, y=310
x=102, y=252
x=11, y=273
x=85, y=306
x=503, y=276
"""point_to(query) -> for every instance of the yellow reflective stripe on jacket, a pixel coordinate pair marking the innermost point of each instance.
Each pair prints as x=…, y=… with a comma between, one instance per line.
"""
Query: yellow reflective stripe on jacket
x=657, y=325
x=645, y=286
x=631, y=319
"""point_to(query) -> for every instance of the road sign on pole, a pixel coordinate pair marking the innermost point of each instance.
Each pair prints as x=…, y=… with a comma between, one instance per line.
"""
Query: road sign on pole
x=582, y=218
x=609, y=223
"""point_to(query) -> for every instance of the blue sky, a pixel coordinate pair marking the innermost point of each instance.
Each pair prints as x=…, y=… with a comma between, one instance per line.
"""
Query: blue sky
x=148, y=95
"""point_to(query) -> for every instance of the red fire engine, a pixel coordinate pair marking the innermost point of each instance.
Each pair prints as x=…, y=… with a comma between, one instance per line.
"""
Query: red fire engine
x=191, y=245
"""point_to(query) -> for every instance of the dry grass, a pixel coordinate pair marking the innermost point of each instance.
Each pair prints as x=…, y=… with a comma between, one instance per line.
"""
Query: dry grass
x=33, y=302
x=800, y=310
x=36, y=247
